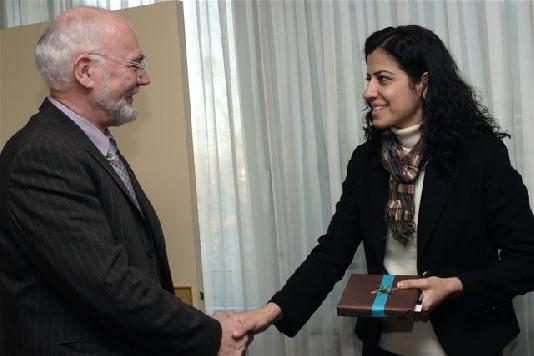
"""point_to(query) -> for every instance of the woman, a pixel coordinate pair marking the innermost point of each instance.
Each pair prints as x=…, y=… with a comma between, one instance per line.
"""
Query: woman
x=431, y=192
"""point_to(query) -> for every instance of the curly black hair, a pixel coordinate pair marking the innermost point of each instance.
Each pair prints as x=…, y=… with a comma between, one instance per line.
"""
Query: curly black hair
x=452, y=111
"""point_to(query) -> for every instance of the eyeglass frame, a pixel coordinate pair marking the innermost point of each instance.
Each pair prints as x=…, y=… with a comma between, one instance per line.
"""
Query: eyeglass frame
x=139, y=66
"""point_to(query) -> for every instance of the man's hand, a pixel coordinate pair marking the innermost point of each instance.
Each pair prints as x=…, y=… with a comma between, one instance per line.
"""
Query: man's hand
x=231, y=345
x=435, y=290
x=256, y=321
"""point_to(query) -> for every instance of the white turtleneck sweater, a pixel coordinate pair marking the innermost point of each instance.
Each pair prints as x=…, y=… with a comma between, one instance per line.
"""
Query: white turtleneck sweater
x=405, y=337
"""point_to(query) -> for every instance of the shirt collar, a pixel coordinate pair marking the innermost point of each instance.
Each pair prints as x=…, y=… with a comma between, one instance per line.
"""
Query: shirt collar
x=99, y=139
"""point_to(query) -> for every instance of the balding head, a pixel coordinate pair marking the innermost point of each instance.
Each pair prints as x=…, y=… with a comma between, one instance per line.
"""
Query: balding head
x=76, y=31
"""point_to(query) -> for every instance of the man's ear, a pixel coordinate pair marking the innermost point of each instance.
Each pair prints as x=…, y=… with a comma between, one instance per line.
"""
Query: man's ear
x=84, y=71
x=423, y=84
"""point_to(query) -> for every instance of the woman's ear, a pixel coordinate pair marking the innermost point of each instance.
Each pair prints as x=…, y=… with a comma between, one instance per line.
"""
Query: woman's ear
x=423, y=84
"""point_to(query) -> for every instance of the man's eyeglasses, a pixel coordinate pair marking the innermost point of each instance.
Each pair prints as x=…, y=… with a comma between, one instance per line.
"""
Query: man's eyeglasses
x=140, y=66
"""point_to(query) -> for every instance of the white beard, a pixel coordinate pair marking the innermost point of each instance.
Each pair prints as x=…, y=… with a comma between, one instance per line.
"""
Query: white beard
x=120, y=111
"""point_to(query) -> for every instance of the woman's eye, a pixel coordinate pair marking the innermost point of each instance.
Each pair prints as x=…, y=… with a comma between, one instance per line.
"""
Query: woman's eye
x=382, y=79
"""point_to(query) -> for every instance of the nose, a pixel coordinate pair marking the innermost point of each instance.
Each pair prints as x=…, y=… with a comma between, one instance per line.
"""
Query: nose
x=143, y=78
x=370, y=91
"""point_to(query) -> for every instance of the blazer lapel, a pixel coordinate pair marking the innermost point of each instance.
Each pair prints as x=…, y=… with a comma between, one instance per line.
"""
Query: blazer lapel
x=436, y=192
x=141, y=197
x=377, y=197
x=80, y=139
x=97, y=155
x=146, y=213
x=155, y=230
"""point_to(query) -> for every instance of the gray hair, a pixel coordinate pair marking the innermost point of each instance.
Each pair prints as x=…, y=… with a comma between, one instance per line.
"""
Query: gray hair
x=76, y=31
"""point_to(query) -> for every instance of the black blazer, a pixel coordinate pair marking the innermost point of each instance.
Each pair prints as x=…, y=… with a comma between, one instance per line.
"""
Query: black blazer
x=475, y=223
x=84, y=269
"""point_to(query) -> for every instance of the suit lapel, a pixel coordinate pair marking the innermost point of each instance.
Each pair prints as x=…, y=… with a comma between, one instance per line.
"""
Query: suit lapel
x=147, y=210
x=97, y=155
x=436, y=192
x=144, y=204
x=155, y=230
x=80, y=139
x=377, y=184
x=146, y=213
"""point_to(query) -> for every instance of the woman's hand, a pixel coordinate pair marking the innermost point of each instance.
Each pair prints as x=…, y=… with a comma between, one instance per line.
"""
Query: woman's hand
x=258, y=320
x=435, y=290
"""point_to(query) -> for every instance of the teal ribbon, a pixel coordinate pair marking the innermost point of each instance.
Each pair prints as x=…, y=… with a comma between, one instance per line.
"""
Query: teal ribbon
x=377, y=309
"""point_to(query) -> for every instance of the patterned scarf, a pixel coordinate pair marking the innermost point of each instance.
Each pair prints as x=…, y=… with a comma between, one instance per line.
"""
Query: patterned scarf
x=403, y=172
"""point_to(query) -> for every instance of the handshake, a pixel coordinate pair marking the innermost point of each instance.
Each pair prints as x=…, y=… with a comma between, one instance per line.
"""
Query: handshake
x=238, y=329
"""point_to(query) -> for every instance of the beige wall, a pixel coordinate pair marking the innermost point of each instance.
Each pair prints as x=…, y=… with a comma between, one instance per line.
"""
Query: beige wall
x=158, y=145
x=21, y=87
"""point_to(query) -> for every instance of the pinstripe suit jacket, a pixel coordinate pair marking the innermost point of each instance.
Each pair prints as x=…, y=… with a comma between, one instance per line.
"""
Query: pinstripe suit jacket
x=85, y=271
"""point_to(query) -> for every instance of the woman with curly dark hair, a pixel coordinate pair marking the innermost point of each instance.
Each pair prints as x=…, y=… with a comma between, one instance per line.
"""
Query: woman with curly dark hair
x=450, y=108
x=431, y=193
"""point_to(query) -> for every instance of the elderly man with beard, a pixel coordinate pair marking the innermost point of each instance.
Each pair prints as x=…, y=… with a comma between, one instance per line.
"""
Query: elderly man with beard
x=83, y=261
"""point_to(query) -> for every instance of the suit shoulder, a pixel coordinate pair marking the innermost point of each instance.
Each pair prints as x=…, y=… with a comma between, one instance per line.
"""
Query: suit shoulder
x=40, y=135
x=40, y=129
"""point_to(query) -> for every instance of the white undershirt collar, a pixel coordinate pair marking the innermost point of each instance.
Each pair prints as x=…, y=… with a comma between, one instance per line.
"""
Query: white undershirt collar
x=408, y=136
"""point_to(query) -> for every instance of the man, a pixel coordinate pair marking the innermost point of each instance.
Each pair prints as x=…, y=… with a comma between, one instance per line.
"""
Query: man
x=6, y=333
x=83, y=260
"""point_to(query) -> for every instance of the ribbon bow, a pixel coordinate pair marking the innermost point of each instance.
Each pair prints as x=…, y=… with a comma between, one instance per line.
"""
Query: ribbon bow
x=384, y=290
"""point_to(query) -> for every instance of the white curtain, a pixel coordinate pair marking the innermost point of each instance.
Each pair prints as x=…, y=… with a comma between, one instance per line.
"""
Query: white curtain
x=25, y=12
x=277, y=109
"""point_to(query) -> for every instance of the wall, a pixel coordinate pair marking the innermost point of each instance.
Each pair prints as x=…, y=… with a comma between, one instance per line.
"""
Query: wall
x=158, y=145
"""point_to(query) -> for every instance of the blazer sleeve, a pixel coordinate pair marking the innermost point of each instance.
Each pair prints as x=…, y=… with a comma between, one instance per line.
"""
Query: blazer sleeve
x=61, y=228
x=510, y=228
x=311, y=282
